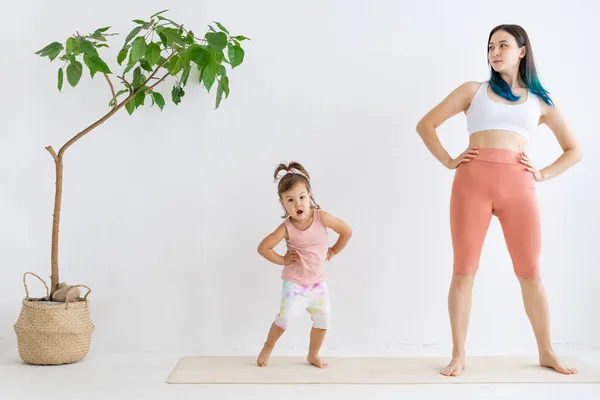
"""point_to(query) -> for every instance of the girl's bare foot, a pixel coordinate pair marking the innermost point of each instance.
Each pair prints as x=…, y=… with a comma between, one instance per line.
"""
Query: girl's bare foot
x=455, y=367
x=549, y=360
x=316, y=361
x=263, y=357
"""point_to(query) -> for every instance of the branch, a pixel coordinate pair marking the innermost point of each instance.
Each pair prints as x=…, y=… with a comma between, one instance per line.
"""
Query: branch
x=110, y=113
x=51, y=151
x=159, y=81
x=156, y=70
x=91, y=127
x=112, y=89
x=127, y=84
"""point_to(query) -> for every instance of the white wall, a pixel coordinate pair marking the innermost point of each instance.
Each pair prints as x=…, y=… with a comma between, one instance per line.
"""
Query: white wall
x=162, y=212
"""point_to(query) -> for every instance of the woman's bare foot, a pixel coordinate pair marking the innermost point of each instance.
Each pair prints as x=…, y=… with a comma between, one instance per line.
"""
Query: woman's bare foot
x=455, y=367
x=263, y=357
x=316, y=361
x=549, y=360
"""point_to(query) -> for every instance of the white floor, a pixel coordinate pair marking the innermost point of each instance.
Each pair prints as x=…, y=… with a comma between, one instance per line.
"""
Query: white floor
x=122, y=376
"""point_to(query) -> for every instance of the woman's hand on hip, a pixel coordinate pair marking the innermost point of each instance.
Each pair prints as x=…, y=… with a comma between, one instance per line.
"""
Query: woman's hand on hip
x=465, y=157
x=537, y=175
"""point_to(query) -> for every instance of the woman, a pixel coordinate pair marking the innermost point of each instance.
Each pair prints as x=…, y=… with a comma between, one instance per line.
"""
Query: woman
x=496, y=177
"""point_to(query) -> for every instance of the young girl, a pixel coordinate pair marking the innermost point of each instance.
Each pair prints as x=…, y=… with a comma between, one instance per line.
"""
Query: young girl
x=304, y=284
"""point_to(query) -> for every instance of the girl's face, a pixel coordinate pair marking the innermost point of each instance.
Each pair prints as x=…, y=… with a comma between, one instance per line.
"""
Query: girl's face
x=504, y=53
x=296, y=202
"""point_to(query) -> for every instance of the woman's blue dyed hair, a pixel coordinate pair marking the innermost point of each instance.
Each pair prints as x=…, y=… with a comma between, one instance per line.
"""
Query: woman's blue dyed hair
x=527, y=70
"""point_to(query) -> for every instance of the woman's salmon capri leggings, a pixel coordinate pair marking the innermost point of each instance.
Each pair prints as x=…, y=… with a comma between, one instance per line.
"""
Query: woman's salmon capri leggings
x=495, y=183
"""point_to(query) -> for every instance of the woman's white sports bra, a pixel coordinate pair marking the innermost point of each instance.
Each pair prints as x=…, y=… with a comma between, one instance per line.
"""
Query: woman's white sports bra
x=485, y=114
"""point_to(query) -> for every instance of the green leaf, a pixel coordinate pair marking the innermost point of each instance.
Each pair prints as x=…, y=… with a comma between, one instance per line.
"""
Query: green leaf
x=241, y=38
x=160, y=100
x=168, y=20
x=54, y=54
x=186, y=74
x=225, y=85
x=88, y=48
x=221, y=27
x=199, y=55
x=174, y=66
x=138, y=49
x=219, y=95
x=163, y=39
x=144, y=24
x=211, y=28
x=201, y=76
x=176, y=94
x=102, y=45
x=71, y=44
x=189, y=39
x=122, y=55
x=128, y=68
x=98, y=36
x=74, y=71
x=60, y=78
x=130, y=106
x=209, y=74
x=101, y=30
x=51, y=51
x=153, y=53
x=236, y=55
x=139, y=98
x=145, y=65
x=218, y=40
x=95, y=64
x=92, y=70
x=184, y=59
x=158, y=13
x=138, y=78
x=132, y=34
x=216, y=56
x=171, y=35
x=223, y=71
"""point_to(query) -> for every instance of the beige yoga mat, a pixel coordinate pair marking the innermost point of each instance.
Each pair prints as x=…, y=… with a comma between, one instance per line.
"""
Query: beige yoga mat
x=373, y=370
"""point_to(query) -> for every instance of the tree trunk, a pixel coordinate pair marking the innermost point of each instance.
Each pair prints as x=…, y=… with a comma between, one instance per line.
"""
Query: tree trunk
x=56, y=223
x=58, y=160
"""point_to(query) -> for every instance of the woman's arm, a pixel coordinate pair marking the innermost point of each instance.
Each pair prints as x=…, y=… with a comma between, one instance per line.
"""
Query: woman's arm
x=457, y=101
x=554, y=119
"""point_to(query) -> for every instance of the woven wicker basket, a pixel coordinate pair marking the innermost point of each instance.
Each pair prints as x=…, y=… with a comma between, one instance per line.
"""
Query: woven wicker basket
x=50, y=333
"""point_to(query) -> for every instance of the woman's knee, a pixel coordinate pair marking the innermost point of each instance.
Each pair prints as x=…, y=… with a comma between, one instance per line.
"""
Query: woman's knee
x=527, y=270
x=463, y=281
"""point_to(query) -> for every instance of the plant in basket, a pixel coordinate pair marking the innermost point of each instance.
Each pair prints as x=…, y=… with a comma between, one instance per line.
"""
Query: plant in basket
x=57, y=328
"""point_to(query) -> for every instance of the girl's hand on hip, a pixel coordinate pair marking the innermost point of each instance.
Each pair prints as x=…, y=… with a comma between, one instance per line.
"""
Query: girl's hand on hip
x=291, y=257
x=330, y=254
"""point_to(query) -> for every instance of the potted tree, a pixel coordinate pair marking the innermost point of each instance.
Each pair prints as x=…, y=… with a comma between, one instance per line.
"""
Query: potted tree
x=57, y=328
